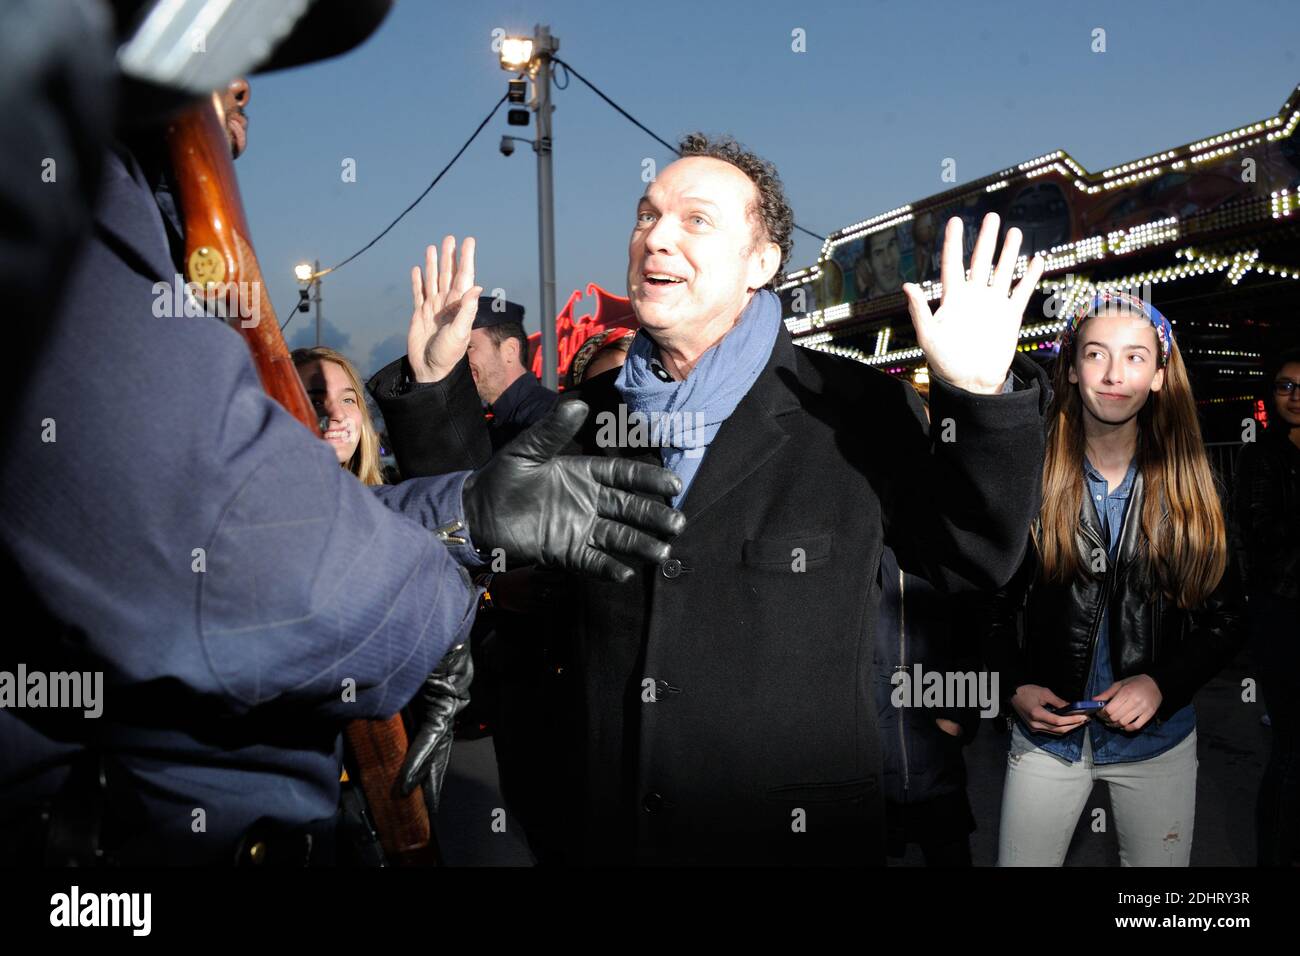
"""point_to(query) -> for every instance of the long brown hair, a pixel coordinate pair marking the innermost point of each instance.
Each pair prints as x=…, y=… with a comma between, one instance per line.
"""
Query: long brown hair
x=364, y=462
x=1182, y=521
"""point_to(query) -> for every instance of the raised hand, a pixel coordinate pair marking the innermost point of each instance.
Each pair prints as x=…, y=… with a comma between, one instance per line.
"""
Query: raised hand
x=570, y=512
x=970, y=341
x=445, y=301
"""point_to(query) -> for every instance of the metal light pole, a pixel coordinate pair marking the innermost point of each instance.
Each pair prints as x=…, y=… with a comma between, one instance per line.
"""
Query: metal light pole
x=310, y=277
x=316, y=299
x=546, y=45
x=532, y=55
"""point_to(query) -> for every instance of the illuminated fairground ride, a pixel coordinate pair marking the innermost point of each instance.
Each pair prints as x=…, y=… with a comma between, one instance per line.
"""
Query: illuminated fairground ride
x=608, y=311
x=1208, y=231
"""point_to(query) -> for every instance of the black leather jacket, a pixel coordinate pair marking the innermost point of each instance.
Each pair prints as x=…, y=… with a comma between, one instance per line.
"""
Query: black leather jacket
x=1180, y=650
x=1266, y=509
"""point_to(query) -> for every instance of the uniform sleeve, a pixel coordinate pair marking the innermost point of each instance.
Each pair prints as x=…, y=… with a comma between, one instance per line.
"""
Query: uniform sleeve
x=435, y=503
x=201, y=544
x=314, y=589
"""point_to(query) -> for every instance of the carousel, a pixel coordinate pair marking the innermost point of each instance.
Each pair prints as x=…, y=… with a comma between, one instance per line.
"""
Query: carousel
x=1207, y=231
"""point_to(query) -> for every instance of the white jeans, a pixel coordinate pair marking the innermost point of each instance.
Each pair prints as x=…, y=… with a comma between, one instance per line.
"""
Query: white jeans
x=1153, y=802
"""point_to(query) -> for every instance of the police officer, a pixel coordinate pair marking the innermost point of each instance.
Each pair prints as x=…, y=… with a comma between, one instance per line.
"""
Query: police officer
x=498, y=362
x=181, y=542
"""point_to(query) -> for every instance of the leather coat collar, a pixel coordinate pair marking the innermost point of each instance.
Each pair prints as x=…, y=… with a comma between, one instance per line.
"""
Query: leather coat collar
x=1131, y=531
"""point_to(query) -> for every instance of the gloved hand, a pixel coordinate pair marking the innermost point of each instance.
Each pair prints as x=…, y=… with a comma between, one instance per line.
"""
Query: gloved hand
x=570, y=512
x=444, y=695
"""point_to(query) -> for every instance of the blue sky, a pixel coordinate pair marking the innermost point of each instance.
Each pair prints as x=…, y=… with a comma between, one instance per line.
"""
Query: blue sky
x=859, y=123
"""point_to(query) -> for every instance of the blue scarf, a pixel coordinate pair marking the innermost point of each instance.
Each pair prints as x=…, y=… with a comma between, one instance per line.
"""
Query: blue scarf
x=682, y=418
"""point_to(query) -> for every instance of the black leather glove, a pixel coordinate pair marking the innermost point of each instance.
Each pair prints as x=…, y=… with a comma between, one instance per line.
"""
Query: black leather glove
x=570, y=512
x=444, y=695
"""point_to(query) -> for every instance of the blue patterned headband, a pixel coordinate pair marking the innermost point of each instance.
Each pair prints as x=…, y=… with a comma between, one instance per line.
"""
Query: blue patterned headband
x=1103, y=301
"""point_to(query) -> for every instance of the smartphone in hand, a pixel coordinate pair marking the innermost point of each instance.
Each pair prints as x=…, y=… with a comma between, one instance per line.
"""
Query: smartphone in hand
x=1078, y=707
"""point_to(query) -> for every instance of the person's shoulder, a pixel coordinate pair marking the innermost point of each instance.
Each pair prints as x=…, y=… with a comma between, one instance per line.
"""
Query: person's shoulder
x=526, y=391
x=538, y=394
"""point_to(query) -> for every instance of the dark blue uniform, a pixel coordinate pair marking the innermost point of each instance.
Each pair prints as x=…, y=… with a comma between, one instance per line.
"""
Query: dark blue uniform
x=242, y=594
x=525, y=402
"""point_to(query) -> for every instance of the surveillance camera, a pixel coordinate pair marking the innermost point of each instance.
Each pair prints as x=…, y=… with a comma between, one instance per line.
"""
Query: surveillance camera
x=507, y=145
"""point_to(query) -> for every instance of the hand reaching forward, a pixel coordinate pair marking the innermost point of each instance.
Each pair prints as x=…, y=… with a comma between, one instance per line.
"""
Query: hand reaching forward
x=970, y=341
x=446, y=301
x=570, y=512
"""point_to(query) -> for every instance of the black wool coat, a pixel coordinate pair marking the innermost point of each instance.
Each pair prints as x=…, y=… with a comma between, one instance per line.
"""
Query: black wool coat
x=719, y=708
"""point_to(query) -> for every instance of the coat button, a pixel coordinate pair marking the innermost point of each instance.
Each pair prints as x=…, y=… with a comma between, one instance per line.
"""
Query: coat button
x=671, y=568
x=653, y=802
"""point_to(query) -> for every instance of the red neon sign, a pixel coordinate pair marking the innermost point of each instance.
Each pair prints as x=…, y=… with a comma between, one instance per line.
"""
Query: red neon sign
x=1261, y=412
x=611, y=312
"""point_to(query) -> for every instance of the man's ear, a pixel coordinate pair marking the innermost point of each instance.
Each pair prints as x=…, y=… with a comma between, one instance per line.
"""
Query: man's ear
x=510, y=347
x=762, y=267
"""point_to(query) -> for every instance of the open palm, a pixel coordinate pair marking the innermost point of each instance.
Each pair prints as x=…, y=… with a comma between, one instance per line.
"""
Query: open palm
x=445, y=302
x=971, y=339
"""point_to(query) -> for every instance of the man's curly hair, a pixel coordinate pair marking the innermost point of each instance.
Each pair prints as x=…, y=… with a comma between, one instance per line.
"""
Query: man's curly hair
x=771, y=215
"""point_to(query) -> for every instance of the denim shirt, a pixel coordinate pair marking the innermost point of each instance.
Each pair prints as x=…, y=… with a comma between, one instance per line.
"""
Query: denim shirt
x=1113, y=746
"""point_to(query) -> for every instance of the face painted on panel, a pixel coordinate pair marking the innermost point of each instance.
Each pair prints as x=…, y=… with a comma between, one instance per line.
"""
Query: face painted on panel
x=882, y=252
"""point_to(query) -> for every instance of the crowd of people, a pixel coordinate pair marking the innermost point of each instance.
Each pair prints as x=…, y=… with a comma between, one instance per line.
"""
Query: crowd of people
x=684, y=656
x=1169, y=580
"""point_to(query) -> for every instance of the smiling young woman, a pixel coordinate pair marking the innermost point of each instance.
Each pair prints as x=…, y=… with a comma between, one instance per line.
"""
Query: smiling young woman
x=1148, y=404
x=336, y=393
x=1131, y=602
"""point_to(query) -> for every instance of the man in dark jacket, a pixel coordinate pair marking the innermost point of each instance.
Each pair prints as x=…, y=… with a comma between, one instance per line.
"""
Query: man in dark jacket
x=924, y=655
x=719, y=708
x=498, y=361
x=490, y=381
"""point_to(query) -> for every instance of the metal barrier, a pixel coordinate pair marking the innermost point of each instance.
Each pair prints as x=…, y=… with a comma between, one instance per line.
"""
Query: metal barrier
x=1223, y=460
